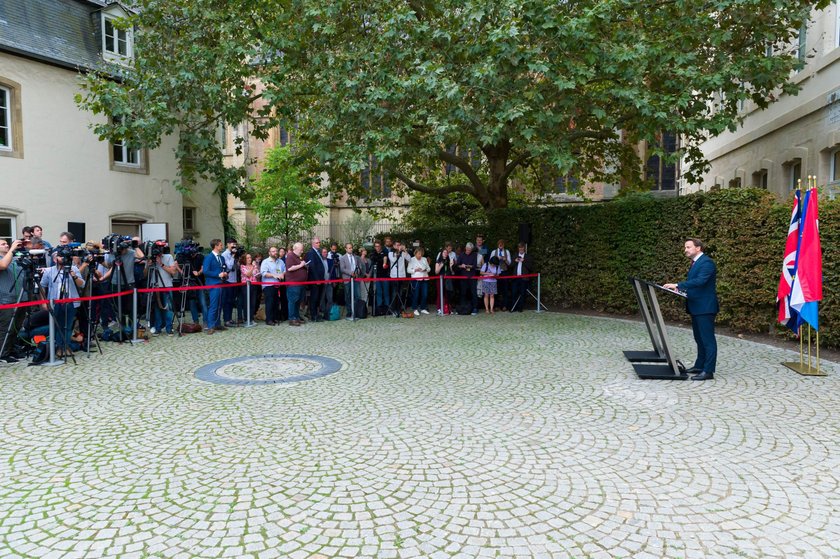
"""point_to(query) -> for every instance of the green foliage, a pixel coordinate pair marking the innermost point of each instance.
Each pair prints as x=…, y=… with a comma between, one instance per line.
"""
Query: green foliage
x=587, y=253
x=515, y=84
x=285, y=200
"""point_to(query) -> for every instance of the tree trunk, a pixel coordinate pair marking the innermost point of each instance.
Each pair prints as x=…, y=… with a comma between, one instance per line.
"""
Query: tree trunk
x=497, y=185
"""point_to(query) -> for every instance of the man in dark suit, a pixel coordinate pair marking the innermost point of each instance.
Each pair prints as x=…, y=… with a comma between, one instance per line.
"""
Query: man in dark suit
x=702, y=304
x=316, y=273
x=523, y=264
x=214, y=274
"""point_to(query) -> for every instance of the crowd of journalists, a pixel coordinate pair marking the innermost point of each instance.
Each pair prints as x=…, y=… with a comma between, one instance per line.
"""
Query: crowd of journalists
x=227, y=286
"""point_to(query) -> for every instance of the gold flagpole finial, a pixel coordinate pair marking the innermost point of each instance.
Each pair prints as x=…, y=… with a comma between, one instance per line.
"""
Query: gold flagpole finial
x=798, y=184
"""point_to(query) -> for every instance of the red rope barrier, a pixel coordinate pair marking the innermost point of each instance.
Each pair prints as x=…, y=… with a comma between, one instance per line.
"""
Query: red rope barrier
x=240, y=284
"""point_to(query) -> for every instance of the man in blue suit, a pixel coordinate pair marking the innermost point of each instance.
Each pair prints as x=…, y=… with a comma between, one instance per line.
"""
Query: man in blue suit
x=702, y=304
x=214, y=274
x=316, y=273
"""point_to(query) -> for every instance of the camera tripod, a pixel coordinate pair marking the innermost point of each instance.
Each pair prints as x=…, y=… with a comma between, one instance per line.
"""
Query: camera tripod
x=29, y=288
x=64, y=290
x=92, y=319
x=121, y=280
x=187, y=281
x=155, y=279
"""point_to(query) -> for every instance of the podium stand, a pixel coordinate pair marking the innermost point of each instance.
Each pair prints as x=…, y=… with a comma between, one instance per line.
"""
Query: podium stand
x=659, y=363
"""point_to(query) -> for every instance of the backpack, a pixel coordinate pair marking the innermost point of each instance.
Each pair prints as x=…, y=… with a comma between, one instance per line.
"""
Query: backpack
x=335, y=312
x=360, y=309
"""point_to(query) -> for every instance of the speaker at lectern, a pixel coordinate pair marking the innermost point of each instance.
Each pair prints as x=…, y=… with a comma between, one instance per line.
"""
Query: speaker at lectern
x=659, y=363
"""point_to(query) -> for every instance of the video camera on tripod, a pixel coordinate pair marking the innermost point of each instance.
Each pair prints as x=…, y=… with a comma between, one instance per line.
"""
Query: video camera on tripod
x=31, y=259
x=68, y=251
x=115, y=244
x=153, y=249
x=185, y=251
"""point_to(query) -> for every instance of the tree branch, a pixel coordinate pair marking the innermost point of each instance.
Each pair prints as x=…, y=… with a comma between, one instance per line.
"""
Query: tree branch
x=413, y=185
x=510, y=167
x=463, y=165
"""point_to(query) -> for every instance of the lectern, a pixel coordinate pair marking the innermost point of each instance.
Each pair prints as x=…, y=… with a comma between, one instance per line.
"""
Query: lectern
x=659, y=363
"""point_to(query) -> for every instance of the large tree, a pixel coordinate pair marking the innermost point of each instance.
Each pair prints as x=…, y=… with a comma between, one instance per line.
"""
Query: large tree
x=449, y=96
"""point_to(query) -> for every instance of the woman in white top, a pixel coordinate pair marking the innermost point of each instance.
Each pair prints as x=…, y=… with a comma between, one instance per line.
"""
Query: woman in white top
x=419, y=269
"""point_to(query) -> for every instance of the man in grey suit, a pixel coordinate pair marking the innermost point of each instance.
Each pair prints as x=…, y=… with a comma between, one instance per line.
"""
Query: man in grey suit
x=349, y=267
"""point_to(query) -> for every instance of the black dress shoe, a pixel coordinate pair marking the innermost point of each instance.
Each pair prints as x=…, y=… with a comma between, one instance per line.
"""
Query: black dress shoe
x=703, y=376
x=693, y=371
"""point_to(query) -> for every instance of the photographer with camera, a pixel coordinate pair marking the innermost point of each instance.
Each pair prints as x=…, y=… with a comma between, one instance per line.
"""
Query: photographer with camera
x=230, y=296
x=398, y=260
x=100, y=278
x=62, y=281
x=191, y=261
x=159, y=270
x=11, y=284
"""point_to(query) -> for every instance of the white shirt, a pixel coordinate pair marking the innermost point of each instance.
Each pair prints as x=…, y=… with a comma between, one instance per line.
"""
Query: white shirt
x=397, y=261
x=519, y=264
x=419, y=268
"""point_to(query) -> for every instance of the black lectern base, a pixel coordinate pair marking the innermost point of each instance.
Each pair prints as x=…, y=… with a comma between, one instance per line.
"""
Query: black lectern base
x=652, y=371
x=644, y=357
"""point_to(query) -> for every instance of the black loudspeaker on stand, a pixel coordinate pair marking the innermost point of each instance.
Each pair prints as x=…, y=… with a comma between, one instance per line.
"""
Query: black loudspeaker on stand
x=525, y=233
x=659, y=363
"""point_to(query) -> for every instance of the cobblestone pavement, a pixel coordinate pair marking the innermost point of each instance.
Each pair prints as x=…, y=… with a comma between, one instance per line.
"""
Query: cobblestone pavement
x=488, y=436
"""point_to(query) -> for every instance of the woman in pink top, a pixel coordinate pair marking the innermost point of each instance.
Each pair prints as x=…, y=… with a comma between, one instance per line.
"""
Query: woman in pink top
x=488, y=283
x=249, y=271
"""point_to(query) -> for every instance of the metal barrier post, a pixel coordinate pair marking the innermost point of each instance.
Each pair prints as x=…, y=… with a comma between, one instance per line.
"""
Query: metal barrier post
x=134, y=338
x=539, y=303
x=440, y=291
x=352, y=300
x=248, y=322
x=52, y=362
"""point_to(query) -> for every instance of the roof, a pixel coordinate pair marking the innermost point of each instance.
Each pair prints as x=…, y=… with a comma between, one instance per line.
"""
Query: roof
x=61, y=32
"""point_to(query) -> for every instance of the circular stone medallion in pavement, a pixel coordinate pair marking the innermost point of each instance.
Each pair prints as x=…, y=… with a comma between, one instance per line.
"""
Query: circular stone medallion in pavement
x=284, y=368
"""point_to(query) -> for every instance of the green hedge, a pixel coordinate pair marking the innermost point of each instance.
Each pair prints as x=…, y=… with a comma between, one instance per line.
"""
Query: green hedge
x=587, y=252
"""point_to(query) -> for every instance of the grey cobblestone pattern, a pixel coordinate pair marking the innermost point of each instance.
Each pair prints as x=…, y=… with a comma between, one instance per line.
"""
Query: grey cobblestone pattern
x=490, y=436
x=268, y=369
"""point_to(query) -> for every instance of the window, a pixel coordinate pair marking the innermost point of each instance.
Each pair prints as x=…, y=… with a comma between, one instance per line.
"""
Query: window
x=835, y=166
x=803, y=39
x=794, y=174
x=11, y=126
x=7, y=229
x=375, y=182
x=284, y=137
x=189, y=219
x=5, y=119
x=662, y=171
x=125, y=157
x=567, y=184
x=760, y=179
x=115, y=42
x=837, y=23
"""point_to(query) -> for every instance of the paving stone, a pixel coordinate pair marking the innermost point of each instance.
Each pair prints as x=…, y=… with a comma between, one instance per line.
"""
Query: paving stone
x=508, y=436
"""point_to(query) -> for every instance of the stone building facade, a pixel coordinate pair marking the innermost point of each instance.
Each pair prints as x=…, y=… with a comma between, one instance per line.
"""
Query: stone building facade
x=797, y=135
x=54, y=171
